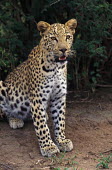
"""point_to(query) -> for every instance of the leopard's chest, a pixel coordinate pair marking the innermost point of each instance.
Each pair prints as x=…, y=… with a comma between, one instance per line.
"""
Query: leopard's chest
x=50, y=82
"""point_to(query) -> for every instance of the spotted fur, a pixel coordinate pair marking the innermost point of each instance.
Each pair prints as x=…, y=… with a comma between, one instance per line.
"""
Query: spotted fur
x=41, y=81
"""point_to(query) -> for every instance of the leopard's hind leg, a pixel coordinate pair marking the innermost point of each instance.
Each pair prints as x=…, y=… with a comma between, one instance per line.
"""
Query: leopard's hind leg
x=3, y=96
x=5, y=107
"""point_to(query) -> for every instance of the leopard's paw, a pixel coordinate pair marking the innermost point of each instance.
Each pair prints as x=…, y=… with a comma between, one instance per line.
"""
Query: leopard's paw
x=65, y=145
x=16, y=123
x=49, y=150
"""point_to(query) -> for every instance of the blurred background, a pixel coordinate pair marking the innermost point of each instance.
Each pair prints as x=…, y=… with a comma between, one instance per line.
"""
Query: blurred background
x=92, y=66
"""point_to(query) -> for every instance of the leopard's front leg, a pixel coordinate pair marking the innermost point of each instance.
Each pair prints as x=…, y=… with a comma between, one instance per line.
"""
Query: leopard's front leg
x=47, y=146
x=58, y=105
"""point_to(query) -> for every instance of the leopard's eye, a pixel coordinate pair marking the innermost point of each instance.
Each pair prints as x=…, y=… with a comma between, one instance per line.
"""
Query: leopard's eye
x=67, y=37
x=54, y=38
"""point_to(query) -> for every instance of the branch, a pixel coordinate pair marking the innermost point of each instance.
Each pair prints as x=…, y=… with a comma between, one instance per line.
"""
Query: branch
x=104, y=85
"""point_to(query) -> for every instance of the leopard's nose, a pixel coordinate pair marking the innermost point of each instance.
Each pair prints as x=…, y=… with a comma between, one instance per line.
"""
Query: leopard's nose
x=63, y=50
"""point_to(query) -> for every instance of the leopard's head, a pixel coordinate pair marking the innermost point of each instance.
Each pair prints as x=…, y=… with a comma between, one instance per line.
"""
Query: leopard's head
x=57, y=39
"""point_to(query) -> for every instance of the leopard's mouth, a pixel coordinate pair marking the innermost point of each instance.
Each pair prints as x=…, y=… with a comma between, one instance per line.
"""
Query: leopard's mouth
x=62, y=58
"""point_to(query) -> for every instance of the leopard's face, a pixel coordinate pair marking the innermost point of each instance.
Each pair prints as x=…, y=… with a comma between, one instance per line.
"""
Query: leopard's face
x=57, y=39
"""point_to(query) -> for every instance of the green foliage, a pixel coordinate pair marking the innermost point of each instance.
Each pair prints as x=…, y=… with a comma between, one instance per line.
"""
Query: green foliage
x=92, y=43
x=94, y=28
x=13, y=36
x=63, y=162
x=104, y=162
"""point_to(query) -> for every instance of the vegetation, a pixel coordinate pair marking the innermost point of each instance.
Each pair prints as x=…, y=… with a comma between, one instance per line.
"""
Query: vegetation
x=104, y=162
x=63, y=162
x=93, y=39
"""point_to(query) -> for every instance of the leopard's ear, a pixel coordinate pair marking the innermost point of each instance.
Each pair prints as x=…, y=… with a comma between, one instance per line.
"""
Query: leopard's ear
x=71, y=24
x=42, y=27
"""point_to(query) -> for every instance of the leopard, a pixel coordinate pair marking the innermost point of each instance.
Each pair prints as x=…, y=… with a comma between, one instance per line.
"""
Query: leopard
x=41, y=82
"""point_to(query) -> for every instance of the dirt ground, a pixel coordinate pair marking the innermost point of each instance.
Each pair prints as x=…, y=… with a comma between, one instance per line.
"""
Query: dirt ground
x=88, y=125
